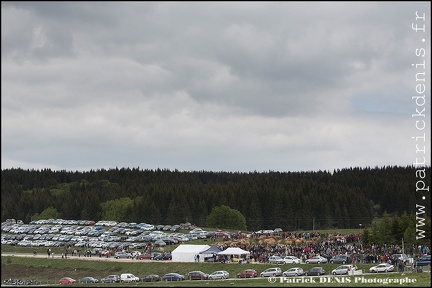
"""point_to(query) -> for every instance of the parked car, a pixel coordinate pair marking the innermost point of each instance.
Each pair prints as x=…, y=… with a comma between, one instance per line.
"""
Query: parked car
x=111, y=279
x=151, y=278
x=173, y=277
x=296, y=271
x=67, y=280
x=248, y=273
x=271, y=272
x=341, y=259
x=315, y=271
x=88, y=280
x=164, y=256
x=398, y=257
x=342, y=269
x=291, y=260
x=221, y=274
x=276, y=260
x=144, y=256
x=383, y=267
x=128, y=277
x=119, y=255
x=160, y=243
x=316, y=260
x=424, y=260
x=197, y=275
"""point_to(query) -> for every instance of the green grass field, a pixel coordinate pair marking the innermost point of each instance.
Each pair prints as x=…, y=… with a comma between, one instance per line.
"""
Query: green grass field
x=48, y=271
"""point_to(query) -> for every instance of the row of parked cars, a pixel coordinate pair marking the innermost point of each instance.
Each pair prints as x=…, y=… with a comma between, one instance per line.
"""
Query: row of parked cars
x=339, y=259
x=129, y=277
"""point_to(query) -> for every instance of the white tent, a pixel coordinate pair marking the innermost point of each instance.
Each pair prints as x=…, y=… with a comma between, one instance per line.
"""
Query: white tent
x=234, y=251
x=187, y=253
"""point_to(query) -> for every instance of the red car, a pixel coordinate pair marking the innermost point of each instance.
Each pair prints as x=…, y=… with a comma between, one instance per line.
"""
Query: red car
x=67, y=280
x=144, y=256
x=248, y=273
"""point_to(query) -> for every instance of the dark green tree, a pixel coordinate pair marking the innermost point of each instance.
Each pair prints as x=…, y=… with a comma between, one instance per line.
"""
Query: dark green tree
x=226, y=218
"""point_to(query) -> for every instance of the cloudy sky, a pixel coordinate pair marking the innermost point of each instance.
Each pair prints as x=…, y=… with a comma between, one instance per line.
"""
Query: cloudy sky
x=216, y=86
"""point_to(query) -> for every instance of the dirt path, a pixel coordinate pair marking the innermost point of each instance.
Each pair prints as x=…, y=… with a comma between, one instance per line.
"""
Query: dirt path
x=93, y=258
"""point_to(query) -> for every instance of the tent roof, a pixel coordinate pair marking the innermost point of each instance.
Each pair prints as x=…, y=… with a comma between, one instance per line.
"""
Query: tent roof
x=188, y=248
x=211, y=250
x=233, y=251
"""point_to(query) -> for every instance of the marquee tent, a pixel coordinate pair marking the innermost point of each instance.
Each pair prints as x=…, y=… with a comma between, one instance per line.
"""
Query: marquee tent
x=234, y=251
x=212, y=250
x=187, y=253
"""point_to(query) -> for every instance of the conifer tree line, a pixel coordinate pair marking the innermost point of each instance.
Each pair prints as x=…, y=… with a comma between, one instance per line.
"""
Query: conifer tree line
x=344, y=198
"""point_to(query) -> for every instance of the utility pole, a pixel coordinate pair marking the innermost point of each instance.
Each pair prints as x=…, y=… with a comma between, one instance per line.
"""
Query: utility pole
x=313, y=224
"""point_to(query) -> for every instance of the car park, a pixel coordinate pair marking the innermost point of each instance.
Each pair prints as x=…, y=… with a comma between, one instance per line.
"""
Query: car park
x=316, y=260
x=220, y=274
x=111, y=279
x=271, y=272
x=173, y=277
x=151, y=278
x=342, y=270
x=248, y=273
x=383, y=267
x=276, y=260
x=296, y=271
x=315, y=271
x=88, y=279
x=291, y=260
x=197, y=275
x=67, y=280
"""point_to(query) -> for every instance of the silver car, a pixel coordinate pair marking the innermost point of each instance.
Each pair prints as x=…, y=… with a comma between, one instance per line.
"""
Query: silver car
x=291, y=260
x=276, y=260
x=221, y=274
x=119, y=255
x=342, y=270
x=293, y=272
x=316, y=260
x=271, y=272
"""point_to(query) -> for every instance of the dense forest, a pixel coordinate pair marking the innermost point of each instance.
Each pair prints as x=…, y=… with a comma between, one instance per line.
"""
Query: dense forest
x=344, y=198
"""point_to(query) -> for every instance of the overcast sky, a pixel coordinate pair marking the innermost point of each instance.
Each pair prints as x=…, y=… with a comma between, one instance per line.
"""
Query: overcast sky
x=215, y=86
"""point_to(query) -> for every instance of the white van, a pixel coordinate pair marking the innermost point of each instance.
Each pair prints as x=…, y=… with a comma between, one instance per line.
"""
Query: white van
x=128, y=277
